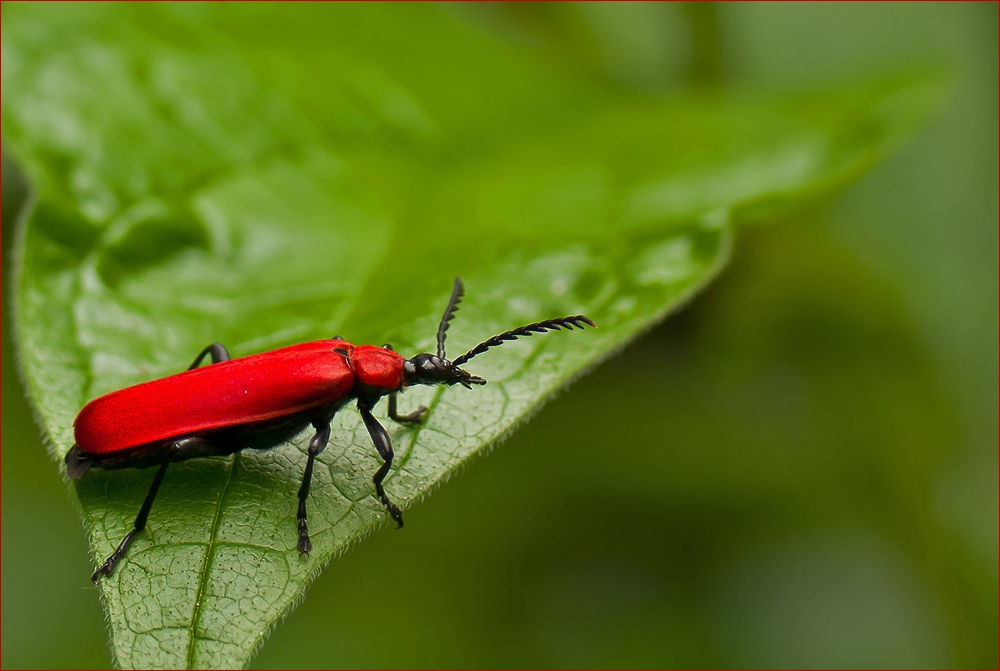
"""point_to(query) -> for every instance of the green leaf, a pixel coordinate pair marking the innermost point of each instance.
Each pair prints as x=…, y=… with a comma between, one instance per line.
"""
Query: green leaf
x=263, y=176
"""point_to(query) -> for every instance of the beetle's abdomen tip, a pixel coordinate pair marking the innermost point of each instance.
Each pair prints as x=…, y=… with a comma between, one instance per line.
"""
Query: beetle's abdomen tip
x=78, y=463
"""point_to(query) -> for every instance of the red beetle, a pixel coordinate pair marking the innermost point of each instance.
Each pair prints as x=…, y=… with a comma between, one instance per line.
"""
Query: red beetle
x=260, y=401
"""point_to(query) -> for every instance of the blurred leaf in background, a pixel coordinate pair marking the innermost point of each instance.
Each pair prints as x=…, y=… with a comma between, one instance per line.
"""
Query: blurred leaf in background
x=800, y=470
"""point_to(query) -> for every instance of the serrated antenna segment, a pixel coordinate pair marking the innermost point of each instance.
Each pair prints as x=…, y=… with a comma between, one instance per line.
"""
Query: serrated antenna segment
x=456, y=298
x=567, y=323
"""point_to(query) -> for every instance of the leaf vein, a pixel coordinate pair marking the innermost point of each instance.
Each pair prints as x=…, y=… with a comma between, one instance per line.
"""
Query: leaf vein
x=209, y=555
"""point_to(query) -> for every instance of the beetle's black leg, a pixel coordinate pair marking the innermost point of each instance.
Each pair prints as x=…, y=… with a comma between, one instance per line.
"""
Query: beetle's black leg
x=414, y=417
x=140, y=523
x=218, y=352
x=384, y=447
x=316, y=445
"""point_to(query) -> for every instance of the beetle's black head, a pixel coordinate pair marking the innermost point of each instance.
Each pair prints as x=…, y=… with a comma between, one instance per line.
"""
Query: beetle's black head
x=431, y=369
x=436, y=369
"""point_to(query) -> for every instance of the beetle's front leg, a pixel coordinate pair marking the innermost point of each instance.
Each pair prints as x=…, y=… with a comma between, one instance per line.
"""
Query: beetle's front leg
x=414, y=417
x=384, y=447
x=316, y=445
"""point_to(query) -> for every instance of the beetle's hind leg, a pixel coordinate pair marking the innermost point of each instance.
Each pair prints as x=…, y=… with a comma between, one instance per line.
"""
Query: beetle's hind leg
x=178, y=450
x=316, y=445
x=217, y=350
x=140, y=523
x=414, y=417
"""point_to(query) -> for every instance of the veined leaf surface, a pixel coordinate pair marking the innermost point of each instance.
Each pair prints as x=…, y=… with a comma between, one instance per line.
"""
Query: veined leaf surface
x=263, y=176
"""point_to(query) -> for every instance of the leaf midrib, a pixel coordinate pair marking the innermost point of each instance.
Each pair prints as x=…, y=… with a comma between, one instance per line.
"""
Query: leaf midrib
x=209, y=555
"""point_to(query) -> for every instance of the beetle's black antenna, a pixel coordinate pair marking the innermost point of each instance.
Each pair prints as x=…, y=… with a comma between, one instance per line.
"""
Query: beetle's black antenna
x=538, y=327
x=456, y=298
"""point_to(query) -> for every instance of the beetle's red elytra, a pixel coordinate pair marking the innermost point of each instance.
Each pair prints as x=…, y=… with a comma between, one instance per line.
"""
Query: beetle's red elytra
x=202, y=400
x=263, y=400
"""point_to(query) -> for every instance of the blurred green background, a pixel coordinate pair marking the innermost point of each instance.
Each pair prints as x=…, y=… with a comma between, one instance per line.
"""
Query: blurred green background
x=828, y=495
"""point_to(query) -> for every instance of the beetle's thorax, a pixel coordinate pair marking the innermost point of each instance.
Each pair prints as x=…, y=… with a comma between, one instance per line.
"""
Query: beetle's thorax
x=378, y=368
